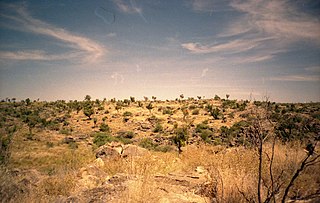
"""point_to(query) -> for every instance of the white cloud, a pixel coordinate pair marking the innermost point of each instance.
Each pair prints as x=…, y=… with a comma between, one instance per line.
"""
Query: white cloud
x=138, y=69
x=234, y=46
x=264, y=30
x=127, y=8
x=297, y=78
x=202, y=5
x=112, y=34
x=118, y=78
x=131, y=8
x=204, y=72
x=277, y=18
x=33, y=55
x=314, y=69
x=83, y=47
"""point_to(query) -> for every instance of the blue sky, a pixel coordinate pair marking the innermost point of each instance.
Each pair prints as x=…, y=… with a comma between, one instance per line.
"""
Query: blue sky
x=115, y=48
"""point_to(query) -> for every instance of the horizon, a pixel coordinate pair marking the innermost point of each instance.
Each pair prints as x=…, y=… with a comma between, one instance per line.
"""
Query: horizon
x=64, y=50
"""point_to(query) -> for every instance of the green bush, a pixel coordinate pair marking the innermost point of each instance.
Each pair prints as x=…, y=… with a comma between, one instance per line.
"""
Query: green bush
x=200, y=127
x=149, y=144
x=126, y=134
x=167, y=111
x=104, y=128
x=127, y=113
x=102, y=138
x=180, y=138
x=158, y=128
x=65, y=131
x=206, y=135
x=195, y=112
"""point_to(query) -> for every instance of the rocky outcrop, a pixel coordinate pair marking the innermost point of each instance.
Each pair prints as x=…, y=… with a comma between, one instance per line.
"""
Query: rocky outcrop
x=118, y=150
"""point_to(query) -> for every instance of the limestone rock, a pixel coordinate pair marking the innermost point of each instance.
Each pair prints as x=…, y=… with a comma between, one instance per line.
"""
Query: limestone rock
x=133, y=150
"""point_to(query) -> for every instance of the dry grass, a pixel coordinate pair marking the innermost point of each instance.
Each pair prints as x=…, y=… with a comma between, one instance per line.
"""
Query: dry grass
x=231, y=172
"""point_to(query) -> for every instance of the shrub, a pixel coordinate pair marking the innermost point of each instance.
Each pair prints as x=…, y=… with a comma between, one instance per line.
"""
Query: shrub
x=192, y=107
x=49, y=144
x=200, y=127
x=167, y=111
x=126, y=134
x=205, y=135
x=180, y=138
x=158, y=128
x=127, y=113
x=65, y=131
x=195, y=112
x=149, y=144
x=102, y=138
x=104, y=128
x=88, y=111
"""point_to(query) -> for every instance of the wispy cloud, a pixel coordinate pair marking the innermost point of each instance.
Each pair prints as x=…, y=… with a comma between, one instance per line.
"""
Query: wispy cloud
x=129, y=7
x=204, y=72
x=277, y=18
x=233, y=46
x=111, y=34
x=263, y=30
x=313, y=69
x=297, y=78
x=202, y=5
x=118, y=78
x=83, y=47
x=138, y=68
x=34, y=55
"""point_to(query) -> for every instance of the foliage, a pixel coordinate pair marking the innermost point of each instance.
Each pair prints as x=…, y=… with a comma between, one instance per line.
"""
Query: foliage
x=103, y=138
x=127, y=113
x=132, y=99
x=125, y=134
x=167, y=110
x=149, y=107
x=158, y=128
x=216, y=97
x=180, y=138
x=104, y=127
x=195, y=112
x=88, y=109
x=149, y=144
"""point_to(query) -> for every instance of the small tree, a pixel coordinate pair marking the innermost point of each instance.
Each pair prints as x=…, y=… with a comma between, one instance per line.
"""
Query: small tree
x=149, y=107
x=95, y=120
x=154, y=98
x=132, y=99
x=180, y=138
x=87, y=98
x=88, y=111
x=118, y=106
x=181, y=96
x=5, y=144
x=216, y=97
x=28, y=101
x=185, y=112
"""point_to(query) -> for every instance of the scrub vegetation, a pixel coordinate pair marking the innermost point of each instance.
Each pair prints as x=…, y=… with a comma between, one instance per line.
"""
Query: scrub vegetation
x=183, y=150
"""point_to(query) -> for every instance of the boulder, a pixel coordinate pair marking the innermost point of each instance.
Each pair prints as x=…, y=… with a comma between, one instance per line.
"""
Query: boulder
x=133, y=150
x=110, y=150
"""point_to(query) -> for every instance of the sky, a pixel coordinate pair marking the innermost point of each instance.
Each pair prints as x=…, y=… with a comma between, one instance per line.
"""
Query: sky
x=250, y=49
